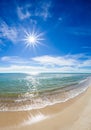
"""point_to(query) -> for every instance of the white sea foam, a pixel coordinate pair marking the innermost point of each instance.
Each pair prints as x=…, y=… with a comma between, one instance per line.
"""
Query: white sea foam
x=46, y=100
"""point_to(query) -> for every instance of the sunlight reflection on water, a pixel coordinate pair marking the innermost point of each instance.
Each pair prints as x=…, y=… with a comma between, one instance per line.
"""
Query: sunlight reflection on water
x=33, y=118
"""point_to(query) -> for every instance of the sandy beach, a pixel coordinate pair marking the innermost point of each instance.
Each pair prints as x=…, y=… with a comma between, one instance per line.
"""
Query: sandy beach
x=45, y=65
x=74, y=114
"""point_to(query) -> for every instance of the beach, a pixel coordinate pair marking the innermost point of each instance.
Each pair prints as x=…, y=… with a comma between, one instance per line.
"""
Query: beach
x=74, y=114
x=45, y=65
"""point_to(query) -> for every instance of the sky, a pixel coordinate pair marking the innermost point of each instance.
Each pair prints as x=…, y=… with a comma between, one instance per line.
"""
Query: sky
x=45, y=36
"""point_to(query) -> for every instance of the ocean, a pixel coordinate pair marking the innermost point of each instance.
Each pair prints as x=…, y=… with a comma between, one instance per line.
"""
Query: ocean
x=20, y=92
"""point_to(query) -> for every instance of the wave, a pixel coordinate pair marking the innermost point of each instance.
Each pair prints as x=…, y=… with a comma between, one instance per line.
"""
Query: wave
x=29, y=101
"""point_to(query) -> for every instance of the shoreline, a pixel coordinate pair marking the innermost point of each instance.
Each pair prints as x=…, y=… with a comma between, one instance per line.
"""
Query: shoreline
x=26, y=103
x=58, y=116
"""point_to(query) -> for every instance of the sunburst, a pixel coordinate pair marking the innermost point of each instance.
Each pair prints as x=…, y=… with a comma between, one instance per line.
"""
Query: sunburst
x=33, y=39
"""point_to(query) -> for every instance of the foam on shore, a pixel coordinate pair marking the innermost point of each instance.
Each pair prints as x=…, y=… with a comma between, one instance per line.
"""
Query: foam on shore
x=47, y=98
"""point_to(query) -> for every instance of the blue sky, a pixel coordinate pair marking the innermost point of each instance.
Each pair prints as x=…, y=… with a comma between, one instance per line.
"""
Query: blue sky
x=64, y=27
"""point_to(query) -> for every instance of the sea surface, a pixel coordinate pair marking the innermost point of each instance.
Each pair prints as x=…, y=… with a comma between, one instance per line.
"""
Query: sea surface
x=19, y=91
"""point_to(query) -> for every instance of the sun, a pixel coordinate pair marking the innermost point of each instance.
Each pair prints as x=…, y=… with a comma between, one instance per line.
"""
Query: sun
x=33, y=39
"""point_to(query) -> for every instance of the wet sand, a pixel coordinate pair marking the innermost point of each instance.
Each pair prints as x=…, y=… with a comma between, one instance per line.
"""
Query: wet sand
x=74, y=114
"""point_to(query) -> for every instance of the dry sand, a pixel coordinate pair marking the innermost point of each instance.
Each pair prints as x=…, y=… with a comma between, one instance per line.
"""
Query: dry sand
x=74, y=114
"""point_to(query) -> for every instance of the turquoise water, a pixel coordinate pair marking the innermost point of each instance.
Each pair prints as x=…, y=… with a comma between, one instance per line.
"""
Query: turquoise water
x=27, y=91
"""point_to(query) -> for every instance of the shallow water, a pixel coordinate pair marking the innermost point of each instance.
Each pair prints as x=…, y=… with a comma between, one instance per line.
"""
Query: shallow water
x=27, y=91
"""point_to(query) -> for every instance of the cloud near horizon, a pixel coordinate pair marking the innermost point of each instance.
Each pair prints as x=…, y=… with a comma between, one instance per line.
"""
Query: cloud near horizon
x=66, y=63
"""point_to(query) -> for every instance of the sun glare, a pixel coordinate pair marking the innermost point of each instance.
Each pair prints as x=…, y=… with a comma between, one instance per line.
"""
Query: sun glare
x=33, y=39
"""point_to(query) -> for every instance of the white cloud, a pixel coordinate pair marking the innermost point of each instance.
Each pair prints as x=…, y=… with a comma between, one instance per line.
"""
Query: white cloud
x=43, y=10
x=13, y=59
x=86, y=63
x=40, y=9
x=8, y=32
x=66, y=63
x=59, y=60
x=23, y=12
x=27, y=69
x=38, y=69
